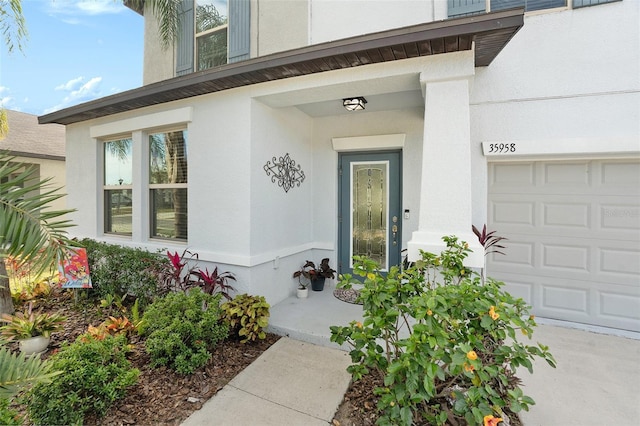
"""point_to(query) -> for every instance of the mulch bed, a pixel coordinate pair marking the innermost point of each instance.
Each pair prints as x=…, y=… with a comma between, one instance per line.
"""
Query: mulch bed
x=161, y=396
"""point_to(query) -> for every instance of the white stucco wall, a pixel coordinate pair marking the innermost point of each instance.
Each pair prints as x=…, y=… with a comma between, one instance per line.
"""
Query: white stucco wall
x=568, y=74
x=336, y=19
x=281, y=25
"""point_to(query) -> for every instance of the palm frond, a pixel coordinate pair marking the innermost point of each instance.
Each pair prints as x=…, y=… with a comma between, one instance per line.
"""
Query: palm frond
x=29, y=231
x=18, y=371
x=166, y=13
x=12, y=24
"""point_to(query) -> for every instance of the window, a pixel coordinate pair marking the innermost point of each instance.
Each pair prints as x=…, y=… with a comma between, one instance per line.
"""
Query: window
x=529, y=5
x=211, y=33
x=118, y=169
x=457, y=8
x=168, y=184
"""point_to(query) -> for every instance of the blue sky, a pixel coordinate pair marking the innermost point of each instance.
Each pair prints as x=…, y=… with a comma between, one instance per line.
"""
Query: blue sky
x=76, y=51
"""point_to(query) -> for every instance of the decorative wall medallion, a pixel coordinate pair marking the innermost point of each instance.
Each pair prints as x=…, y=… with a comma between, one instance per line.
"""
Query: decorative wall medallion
x=285, y=171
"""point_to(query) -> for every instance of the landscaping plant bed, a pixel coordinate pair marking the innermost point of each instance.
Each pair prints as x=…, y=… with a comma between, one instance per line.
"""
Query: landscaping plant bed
x=160, y=396
x=358, y=408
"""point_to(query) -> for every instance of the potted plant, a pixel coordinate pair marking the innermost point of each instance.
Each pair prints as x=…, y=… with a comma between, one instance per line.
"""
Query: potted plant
x=31, y=329
x=316, y=276
x=303, y=286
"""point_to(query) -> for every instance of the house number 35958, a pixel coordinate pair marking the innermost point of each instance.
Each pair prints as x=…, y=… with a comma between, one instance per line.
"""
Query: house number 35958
x=501, y=148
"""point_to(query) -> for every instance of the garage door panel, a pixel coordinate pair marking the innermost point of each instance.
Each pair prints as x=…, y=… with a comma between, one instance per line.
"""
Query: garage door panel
x=620, y=217
x=573, y=229
x=617, y=175
x=565, y=299
x=567, y=257
x=520, y=254
x=513, y=212
x=619, y=305
x=560, y=175
x=573, y=215
x=620, y=261
x=513, y=175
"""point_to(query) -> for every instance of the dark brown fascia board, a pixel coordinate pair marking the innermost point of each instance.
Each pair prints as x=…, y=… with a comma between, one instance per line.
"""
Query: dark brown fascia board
x=473, y=25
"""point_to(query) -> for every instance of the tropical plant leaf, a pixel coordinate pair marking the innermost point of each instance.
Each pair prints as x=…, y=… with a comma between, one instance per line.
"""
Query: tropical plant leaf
x=29, y=230
x=17, y=371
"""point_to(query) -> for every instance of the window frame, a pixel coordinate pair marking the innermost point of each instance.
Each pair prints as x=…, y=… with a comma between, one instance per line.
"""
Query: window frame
x=197, y=35
x=151, y=187
x=570, y=5
x=107, y=218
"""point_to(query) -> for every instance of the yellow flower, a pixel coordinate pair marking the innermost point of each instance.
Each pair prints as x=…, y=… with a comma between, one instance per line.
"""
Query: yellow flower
x=491, y=421
x=466, y=245
x=359, y=324
x=461, y=271
x=371, y=276
x=429, y=312
x=492, y=313
x=468, y=367
x=472, y=355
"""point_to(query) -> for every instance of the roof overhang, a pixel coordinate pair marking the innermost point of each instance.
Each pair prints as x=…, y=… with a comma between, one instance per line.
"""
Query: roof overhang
x=489, y=32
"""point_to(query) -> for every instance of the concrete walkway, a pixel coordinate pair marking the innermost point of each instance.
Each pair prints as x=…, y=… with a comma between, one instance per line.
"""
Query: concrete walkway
x=297, y=382
x=292, y=383
x=596, y=382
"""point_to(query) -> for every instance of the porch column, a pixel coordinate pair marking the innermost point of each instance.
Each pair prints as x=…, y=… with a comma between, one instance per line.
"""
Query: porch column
x=445, y=196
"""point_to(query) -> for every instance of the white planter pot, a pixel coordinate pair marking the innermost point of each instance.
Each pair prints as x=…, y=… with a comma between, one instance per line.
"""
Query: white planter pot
x=34, y=345
x=303, y=293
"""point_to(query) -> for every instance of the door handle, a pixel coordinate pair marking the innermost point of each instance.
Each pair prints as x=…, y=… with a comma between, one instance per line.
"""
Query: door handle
x=394, y=231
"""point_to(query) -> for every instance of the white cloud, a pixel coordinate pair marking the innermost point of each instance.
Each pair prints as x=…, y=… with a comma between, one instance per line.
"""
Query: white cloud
x=72, y=11
x=71, y=84
x=5, y=101
x=78, y=92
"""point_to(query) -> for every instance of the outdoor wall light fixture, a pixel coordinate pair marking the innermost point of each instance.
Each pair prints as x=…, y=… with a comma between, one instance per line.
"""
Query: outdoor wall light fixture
x=354, y=104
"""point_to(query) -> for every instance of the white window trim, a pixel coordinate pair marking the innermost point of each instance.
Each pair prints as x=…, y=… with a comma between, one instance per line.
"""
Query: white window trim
x=138, y=129
x=205, y=33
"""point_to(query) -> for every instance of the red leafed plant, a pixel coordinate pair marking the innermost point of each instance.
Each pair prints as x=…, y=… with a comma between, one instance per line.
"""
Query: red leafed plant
x=212, y=282
x=182, y=274
x=488, y=240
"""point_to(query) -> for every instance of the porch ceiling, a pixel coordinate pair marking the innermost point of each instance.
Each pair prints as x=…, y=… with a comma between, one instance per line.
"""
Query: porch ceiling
x=490, y=32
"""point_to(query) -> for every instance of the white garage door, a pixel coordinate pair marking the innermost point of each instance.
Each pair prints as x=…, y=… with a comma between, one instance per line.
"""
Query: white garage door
x=573, y=229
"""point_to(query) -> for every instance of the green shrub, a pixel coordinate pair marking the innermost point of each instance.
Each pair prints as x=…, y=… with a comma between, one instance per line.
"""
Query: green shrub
x=446, y=352
x=120, y=271
x=8, y=417
x=95, y=373
x=247, y=316
x=181, y=328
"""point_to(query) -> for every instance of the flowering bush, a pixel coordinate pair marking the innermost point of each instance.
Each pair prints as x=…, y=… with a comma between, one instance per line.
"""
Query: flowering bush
x=446, y=353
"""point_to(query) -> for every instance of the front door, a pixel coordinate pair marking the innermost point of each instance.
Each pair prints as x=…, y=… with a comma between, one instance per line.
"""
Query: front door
x=369, y=208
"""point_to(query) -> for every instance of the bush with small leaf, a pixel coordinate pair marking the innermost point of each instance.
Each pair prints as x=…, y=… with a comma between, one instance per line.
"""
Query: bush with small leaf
x=181, y=328
x=446, y=346
x=95, y=373
x=118, y=271
x=247, y=317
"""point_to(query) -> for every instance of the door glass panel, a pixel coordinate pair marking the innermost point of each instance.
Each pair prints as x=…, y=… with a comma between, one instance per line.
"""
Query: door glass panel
x=369, y=211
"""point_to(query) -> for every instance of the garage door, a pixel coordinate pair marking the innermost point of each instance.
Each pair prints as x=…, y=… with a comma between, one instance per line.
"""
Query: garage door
x=573, y=229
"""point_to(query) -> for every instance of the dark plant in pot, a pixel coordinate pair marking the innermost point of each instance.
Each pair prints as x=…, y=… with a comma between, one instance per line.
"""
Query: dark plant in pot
x=315, y=275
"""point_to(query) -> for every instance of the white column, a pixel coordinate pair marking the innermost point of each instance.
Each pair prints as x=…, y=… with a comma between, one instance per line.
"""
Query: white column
x=445, y=196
